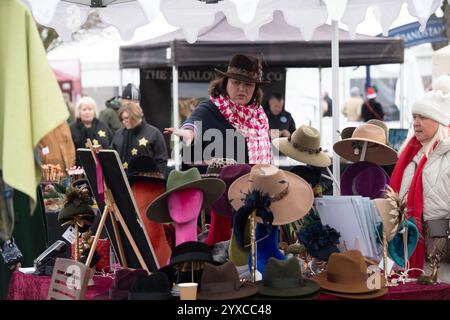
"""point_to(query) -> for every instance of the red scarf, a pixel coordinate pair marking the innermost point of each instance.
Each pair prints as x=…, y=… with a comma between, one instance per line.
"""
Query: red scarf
x=250, y=121
x=415, y=196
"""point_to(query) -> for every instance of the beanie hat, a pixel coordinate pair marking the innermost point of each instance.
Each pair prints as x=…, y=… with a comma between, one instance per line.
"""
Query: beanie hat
x=435, y=104
x=371, y=93
x=130, y=92
x=441, y=83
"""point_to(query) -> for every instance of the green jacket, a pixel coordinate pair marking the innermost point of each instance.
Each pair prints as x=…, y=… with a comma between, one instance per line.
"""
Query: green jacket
x=110, y=117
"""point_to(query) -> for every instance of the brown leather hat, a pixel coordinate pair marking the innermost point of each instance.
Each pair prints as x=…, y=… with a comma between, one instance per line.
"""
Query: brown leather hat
x=244, y=67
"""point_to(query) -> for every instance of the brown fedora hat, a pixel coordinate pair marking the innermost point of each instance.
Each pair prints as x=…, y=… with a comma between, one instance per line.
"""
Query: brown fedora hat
x=304, y=146
x=292, y=197
x=378, y=151
x=223, y=283
x=347, y=274
x=245, y=68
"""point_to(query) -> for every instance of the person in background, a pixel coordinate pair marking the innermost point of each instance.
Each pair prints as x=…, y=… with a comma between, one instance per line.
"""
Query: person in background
x=371, y=109
x=130, y=94
x=110, y=115
x=327, y=105
x=138, y=138
x=57, y=147
x=87, y=126
x=352, y=107
x=279, y=119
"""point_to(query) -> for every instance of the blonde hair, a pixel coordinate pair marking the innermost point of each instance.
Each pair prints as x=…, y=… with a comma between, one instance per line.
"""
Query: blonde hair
x=442, y=133
x=86, y=101
x=135, y=113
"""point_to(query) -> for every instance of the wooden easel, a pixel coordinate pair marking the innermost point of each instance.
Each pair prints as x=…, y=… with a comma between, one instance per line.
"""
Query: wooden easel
x=113, y=212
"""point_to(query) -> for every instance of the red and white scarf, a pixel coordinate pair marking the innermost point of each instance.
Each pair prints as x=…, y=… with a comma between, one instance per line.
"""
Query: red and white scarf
x=250, y=121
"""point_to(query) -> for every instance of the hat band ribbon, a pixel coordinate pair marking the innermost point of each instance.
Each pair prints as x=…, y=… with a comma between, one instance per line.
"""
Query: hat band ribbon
x=220, y=287
x=284, y=283
x=244, y=72
x=283, y=193
x=304, y=149
x=149, y=174
x=347, y=279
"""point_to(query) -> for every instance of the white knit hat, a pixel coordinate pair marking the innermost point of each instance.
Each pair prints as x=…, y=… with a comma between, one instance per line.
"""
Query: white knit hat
x=435, y=104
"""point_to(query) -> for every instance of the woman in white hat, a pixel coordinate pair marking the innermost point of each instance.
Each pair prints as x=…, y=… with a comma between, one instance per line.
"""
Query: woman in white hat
x=422, y=173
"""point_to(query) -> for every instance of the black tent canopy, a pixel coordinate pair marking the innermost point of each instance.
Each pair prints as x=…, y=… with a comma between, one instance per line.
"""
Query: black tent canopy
x=280, y=44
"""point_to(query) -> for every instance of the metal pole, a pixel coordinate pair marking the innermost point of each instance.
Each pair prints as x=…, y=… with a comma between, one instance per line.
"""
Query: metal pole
x=335, y=87
x=175, y=114
x=402, y=95
x=320, y=104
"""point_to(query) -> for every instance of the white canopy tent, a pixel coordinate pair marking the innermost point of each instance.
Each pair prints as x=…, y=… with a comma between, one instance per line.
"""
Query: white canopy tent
x=194, y=15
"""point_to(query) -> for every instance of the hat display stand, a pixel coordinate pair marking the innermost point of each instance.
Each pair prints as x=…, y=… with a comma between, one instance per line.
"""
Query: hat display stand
x=219, y=230
x=184, y=208
x=266, y=247
x=111, y=210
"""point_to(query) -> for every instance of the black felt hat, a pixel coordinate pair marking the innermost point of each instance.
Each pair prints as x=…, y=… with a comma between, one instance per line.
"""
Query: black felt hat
x=155, y=286
x=144, y=168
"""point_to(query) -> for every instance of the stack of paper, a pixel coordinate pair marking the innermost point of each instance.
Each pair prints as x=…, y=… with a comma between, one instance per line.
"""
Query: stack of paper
x=355, y=218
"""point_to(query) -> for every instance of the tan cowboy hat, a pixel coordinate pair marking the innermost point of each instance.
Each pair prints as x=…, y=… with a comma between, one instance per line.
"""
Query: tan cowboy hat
x=346, y=276
x=387, y=212
x=292, y=197
x=212, y=189
x=304, y=146
x=347, y=132
x=378, y=151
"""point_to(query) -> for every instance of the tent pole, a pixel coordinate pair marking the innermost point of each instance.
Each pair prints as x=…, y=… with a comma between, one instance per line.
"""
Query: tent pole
x=320, y=104
x=175, y=116
x=402, y=95
x=335, y=110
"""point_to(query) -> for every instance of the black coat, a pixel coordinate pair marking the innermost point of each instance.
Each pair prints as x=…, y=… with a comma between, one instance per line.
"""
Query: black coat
x=145, y=139
x=376, y=112
x=99, y=133
x=210, y=117
x=282, y=121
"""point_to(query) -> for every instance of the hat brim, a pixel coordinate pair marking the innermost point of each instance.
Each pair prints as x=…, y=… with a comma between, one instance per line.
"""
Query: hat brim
x=356, y=288
x=308, y=289
x=317, y=159
x=247, y=290
x=212, y=189
x=295, y=205
x=377, y=187
x=132, y=179
x=361, y=296
x=380, y=154
x=240, y=77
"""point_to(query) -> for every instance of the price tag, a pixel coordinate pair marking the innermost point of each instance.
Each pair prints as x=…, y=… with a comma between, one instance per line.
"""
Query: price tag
x=69, y=234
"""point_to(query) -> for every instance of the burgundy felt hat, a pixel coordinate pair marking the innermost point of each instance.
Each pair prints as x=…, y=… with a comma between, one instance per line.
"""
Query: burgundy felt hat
x=364, y=178
x=229, y=174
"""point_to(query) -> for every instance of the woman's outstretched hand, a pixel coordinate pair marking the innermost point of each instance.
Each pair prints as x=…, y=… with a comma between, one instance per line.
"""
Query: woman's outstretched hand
x=186, y=135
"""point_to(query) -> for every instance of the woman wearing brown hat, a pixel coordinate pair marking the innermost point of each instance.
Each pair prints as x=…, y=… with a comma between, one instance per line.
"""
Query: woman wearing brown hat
x=422, y=175
x=234, y=109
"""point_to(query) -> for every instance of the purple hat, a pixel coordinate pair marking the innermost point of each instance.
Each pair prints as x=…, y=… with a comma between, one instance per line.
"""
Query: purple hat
x=229, y=174
x=364, y=178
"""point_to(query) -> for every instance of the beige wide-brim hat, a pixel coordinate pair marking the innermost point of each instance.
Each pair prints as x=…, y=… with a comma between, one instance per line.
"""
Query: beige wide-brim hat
x=377, y=152
x=292, y=197
x=304, y=146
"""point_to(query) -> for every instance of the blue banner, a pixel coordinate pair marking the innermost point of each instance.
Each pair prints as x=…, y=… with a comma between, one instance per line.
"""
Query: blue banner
x=434, y=32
